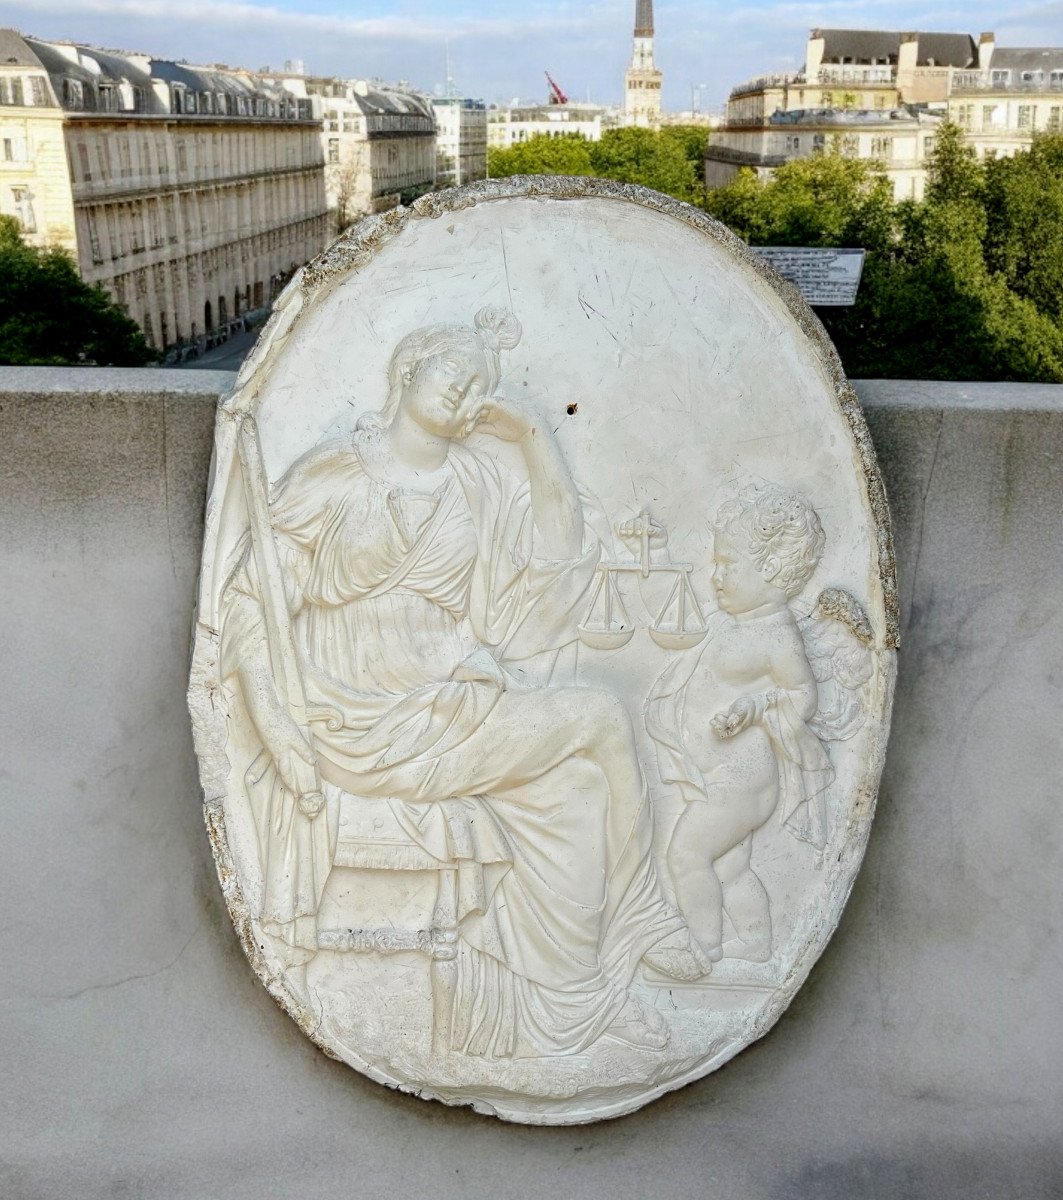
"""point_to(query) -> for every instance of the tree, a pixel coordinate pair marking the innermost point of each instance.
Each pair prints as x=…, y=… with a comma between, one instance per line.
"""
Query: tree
x=542, y=155
x=644, y=156
x=826, y=200
x=50, y=317
x=668, y=161
x=1024, y=223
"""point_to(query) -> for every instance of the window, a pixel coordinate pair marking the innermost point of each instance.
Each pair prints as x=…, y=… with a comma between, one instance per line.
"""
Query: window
x=999, y=78
x=964, y=115
x=72, y=94
x=928, y=146
x=94, y=237
x=1054, y=119
x=1026, y=116
x=16, y=92
x=37, y=93
x=108, y=98
x=334, y=150
x=23, y=201
x=819, y=142
x=849, y=145
x=882, y=147
x=988, y=115
x=793, y=144
x=15, y=149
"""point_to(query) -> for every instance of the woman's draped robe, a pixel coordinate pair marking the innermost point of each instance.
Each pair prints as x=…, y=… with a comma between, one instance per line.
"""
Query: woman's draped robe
x=405, y=607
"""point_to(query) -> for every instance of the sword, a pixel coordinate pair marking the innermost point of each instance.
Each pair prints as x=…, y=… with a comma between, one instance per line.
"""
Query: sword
x=279, y=635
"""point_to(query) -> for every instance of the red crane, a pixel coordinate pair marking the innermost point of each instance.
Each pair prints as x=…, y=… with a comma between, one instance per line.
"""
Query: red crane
x=557, y=96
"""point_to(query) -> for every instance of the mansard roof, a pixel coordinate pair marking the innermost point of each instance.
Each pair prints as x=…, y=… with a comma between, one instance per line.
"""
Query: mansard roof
x=1034, y=58
x=880, y=45
x=14, y=50
x=91, y=66
x=379, y=100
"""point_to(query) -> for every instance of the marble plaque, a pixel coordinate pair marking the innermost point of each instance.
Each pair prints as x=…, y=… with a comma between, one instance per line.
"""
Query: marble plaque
x=545, y=648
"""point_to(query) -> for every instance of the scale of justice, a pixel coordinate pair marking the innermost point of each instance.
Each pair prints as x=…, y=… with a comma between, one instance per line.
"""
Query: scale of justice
x=607, y=625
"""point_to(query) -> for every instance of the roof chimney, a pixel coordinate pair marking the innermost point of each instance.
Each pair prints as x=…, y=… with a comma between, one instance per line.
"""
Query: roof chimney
x=986, y=45
x=907, y=61
x=817, y=43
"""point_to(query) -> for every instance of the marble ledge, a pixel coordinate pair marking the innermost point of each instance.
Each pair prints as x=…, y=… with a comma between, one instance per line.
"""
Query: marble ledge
x=147, y=382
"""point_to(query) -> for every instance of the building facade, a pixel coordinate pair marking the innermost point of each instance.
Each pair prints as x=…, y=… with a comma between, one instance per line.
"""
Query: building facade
x=461, y=140
x=880, y=95
x=379, y=144
x=190, y=194
x=510, y=126
x=899, y=140
x=1016, y=94
x=642, y=80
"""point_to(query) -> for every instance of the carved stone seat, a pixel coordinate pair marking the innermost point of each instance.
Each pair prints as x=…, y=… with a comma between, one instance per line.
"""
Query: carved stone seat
x=371, y=838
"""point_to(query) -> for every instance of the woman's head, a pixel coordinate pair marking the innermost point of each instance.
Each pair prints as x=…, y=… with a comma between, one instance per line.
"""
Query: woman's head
x=440, y=371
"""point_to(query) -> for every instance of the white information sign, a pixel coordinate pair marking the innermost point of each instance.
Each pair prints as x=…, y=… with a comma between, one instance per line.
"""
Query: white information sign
x=826, y=277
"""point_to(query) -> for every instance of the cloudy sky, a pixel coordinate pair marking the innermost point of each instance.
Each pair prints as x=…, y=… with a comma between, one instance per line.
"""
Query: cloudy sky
x=500, y=48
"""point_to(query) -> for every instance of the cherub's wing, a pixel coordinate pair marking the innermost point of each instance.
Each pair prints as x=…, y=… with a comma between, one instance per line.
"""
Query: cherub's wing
x=838, y=640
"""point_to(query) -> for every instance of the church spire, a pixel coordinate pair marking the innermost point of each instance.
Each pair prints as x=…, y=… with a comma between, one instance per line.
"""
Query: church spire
x=642, y=82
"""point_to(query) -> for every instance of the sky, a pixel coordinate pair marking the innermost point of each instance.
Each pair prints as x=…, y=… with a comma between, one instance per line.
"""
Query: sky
x=499, y=49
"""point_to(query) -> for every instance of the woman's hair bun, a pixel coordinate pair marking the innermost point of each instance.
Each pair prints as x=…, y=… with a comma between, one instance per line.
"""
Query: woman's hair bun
x=498, y=327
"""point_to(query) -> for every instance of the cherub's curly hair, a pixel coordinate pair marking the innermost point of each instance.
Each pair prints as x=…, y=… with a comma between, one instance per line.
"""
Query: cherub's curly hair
x=779, y=524
x=493, y=330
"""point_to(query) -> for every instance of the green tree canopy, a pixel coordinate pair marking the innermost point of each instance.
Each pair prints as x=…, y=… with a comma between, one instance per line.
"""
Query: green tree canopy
x=50, y=317
x=1023, y=198
x=669, y=160
x=655, y=160
x=542, y=154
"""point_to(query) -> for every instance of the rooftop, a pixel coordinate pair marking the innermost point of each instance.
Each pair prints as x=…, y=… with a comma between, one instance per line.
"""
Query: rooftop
x=883, y=46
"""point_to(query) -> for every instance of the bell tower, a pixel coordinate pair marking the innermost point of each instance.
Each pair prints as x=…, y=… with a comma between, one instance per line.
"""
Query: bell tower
x=642, y=80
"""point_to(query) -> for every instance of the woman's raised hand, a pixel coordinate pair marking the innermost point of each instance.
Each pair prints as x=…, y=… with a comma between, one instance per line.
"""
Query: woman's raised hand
x=508, y=420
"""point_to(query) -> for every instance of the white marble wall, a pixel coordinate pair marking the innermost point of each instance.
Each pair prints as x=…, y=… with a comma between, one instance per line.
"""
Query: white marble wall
x=143, y=1059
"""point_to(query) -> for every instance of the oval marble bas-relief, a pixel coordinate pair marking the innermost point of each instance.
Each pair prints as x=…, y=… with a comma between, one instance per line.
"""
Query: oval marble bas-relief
x=545, y=648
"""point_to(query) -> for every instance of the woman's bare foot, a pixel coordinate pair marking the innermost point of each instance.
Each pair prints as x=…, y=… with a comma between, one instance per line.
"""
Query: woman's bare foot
x=639, y=1026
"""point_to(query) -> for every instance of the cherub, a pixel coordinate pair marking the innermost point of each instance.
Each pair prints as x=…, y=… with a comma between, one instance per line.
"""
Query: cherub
x=759, y=751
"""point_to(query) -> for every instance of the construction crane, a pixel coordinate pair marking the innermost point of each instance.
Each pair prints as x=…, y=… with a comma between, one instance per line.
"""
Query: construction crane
x=557, y=96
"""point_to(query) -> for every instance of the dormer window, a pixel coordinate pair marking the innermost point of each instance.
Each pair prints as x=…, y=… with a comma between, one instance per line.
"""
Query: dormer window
x=108, y=98
x=73, y=96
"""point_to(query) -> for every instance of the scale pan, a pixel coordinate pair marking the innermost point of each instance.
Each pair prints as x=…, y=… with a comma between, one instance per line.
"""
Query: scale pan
x=605, y=639
x=679, y=640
